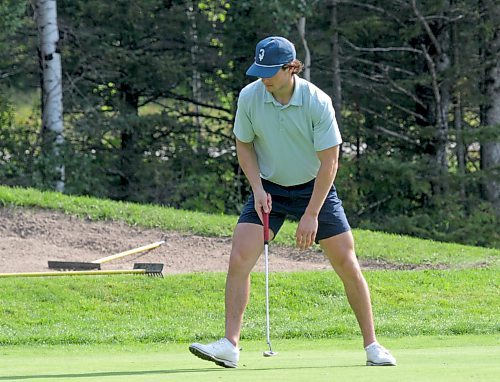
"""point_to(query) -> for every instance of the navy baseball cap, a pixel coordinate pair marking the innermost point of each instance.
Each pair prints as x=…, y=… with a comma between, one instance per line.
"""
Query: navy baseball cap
x=270, y=55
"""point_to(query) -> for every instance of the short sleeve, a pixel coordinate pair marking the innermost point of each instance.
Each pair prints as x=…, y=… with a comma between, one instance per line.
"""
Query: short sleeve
x=325, y=127
x=243, y=129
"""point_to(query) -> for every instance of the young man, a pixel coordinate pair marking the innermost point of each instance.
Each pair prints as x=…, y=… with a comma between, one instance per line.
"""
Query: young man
x=287, y=140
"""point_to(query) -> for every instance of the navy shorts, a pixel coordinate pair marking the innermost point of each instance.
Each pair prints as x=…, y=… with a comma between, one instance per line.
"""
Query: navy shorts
x=291, y=202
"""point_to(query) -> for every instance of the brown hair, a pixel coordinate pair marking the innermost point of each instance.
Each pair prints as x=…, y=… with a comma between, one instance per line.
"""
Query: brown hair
x=295, y=66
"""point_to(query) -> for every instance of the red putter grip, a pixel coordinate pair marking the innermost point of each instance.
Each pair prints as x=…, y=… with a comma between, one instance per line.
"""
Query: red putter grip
x=265, y=217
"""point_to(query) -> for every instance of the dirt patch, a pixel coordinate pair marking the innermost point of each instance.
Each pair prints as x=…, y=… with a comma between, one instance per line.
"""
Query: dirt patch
x=31, y=237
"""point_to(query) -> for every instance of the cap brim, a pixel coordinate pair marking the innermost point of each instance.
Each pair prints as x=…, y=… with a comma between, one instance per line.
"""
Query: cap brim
x=262, y=71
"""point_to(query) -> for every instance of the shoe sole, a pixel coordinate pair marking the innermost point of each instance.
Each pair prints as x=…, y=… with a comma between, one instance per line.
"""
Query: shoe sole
x=208, y=357
x=370, y=363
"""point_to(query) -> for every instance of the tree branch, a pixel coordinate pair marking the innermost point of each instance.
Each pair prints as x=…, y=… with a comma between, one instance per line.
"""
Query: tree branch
x=203, y=104
x=373, y=205
x=435, y=86
x=396, y=135
x=391, y=103
x=371, y=8
x=426, y=27
x=381, y=65
x=386, y=49
x=401, y=89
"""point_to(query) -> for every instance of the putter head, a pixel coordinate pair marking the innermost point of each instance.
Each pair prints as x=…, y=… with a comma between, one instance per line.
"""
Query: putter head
x=269, y=353
x=152, y=269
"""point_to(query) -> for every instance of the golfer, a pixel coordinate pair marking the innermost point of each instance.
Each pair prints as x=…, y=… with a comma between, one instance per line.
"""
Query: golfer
x=288, y=142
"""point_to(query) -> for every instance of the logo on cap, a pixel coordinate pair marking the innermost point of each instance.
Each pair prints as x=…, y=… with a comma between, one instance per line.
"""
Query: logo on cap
x=261, y=54
x=270, y=55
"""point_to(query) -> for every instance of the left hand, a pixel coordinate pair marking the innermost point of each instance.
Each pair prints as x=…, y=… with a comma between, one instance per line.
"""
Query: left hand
x=306, y=231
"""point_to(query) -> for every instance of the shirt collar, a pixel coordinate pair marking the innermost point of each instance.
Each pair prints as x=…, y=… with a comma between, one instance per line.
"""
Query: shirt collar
x=296, y=99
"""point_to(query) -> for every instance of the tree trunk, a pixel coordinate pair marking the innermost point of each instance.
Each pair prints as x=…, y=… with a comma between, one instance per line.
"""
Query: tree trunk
x=195, y=74
x=457, y=108
x=438, y=62
x=301, y=26
x=129, y=158
x=490, y=151
x=337, y=85
x=52, y=109
x=460, y=145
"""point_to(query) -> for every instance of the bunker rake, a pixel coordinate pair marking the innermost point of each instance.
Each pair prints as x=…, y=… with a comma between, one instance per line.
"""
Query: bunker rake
x=96, y=264
x=150, y=269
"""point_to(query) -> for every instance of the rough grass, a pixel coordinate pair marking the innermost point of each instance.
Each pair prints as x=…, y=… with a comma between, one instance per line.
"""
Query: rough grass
x=395, y=249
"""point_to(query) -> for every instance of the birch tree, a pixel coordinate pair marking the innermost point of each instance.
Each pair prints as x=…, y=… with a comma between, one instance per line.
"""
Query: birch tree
x=50, y=63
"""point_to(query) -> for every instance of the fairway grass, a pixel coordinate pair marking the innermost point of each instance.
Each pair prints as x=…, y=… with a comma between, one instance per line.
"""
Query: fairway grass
x=451, y=358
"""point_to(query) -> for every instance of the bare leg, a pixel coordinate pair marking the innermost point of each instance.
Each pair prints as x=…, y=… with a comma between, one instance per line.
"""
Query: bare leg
x=247, y=246
x=340, y=251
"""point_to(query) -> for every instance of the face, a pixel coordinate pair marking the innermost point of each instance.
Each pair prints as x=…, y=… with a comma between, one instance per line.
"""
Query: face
x=279, y=81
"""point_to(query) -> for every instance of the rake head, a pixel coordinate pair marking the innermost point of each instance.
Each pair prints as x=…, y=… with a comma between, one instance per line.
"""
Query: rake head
x=151, y=269
x=73, y=265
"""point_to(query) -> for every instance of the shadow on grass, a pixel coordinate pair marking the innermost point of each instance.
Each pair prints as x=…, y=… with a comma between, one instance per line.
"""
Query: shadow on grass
x=159, y=372
x=104, y=374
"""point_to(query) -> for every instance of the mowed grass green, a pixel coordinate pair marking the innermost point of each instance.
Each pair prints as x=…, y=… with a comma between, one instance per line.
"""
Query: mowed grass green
x=443, y=359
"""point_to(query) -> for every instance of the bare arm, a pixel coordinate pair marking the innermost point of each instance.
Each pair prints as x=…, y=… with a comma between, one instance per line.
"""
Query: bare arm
x=308, y=225
x=247, y=160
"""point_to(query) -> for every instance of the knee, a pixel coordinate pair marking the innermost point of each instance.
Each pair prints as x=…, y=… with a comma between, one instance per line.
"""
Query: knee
x=348, y=267
x=240, y=262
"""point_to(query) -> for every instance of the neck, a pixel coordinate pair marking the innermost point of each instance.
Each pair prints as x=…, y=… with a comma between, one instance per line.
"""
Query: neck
x=284, y=94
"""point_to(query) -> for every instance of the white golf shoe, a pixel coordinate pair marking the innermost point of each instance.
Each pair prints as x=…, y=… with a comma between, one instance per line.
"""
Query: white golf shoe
x=222, y=352
x=377, y=355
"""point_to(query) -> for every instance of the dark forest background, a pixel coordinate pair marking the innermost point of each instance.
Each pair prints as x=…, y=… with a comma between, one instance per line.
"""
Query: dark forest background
x=150, y=89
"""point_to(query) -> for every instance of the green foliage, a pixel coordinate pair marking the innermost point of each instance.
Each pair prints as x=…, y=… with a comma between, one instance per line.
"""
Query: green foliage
x=396, y=194
x=178, y=153
x=11, y=12
x=150, y=92
x=446, y=221
x=131, y=309
x=18, y=58
x=17, y=148
x=6, y=113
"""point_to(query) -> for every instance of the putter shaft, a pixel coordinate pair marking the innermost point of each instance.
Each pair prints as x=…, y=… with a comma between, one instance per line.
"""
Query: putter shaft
x=266, y=265
x=266, y=269
x=270, y=352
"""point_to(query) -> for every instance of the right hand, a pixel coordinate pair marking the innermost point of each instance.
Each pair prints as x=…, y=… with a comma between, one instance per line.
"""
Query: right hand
x=263, y=202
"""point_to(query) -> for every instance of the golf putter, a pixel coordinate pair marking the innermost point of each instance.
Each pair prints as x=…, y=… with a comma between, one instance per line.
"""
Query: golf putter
x=265, y=216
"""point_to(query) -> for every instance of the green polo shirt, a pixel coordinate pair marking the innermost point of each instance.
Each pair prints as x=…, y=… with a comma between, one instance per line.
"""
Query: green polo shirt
x=287, y=137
